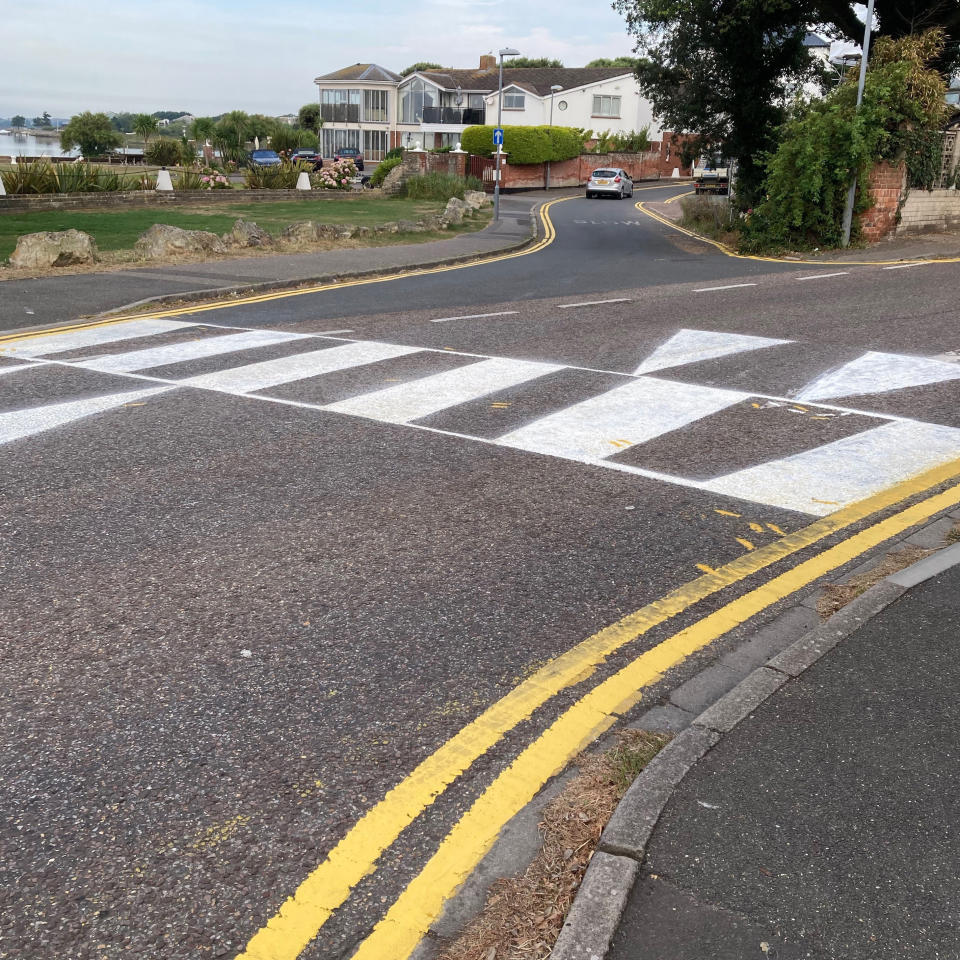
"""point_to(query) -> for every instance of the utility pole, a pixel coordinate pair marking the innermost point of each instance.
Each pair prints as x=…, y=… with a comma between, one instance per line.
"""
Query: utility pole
x=505, y=52
x=852, y=193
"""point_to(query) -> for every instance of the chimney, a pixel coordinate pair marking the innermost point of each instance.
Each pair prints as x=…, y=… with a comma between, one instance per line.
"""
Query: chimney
x=488, y=62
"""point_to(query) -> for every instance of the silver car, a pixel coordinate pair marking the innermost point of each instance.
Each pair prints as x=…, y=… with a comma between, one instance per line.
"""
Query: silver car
x=609, y=182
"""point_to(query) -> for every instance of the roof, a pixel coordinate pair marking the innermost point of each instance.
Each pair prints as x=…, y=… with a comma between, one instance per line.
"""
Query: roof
x=812, y=40
x=537, y=80
x=371, y=72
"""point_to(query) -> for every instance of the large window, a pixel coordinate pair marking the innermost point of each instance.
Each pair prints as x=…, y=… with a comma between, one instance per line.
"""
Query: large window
x=340, y=106
x=414, y=96
x=604, y=106
x=375, y=106
x=514, y=101
x=335, y=140
x=374, y=144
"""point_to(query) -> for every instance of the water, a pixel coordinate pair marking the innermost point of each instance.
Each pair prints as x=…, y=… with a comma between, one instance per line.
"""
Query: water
x=30, y=146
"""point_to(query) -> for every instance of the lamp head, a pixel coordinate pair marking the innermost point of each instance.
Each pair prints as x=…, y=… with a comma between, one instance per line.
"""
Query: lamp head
x=509, y=52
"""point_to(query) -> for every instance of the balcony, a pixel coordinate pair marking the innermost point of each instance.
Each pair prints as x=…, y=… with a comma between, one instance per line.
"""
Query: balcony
x=340, y=112
x=452, y=117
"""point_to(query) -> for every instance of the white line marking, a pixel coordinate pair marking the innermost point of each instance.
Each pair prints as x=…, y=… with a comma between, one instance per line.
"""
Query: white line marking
x=420, y=398
x=729, y=286
x=476, y=316
x=825, y=276
x=879, y=373
x=40, y=346
x=592, y=303
x=272, y=373
x=326, y=333
x=691, y=346
x=903, y=266
x=25, y=423
x=187, y=350
x=634, y=413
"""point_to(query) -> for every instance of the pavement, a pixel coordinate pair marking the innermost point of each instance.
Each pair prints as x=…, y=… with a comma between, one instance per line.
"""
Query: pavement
x=824, y=824
x=54, y=299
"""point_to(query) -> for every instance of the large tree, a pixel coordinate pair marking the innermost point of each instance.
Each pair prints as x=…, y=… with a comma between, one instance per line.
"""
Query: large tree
x=18, y=122
x=145, y=126
x=93, y=133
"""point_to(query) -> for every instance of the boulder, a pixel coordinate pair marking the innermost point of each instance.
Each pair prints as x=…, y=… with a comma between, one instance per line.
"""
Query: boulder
x=61, y=248
x=433, y=223
x=409, y=226
x=455, y=210
x=346, y=231
x=475, y=199
x=245, y=233
x=301, y=232
x=390, y=227
x=162, y=240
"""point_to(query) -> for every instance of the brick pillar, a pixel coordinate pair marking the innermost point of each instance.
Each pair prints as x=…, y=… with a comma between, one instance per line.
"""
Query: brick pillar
x=459, y=162
x=887, y=183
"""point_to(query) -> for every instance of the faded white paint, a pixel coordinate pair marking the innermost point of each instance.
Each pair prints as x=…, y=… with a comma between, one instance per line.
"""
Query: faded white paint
x=419, y=398
x=300, y=366
x=24, y=423
x=878, y=373
x=831, y=476
x=609, y=423
x=41, y=346
x=692, y=346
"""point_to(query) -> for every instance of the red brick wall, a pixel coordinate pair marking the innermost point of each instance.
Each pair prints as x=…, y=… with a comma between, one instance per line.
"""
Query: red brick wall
x=886, y=187
x=576, y=172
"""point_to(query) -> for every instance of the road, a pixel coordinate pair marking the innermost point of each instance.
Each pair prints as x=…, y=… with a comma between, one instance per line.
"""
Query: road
x=293, y=586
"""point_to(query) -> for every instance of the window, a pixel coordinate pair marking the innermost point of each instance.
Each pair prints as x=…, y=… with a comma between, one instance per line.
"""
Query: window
x=374, y=144
x=335, y=140
x=514, y=101
x=448, y=139
x=375, y=106
x=604, y=106
x=562, y=105
x=414, y=96
x=340, y=106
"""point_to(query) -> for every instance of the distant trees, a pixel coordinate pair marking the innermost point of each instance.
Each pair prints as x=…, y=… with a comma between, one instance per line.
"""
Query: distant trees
x=144, y=126
x=42, y=121
x=629, y=62
x=420, y=65
x=18, y=122
x=93, y=133
x=309, y=117
x=201, y=129
x=533, y=62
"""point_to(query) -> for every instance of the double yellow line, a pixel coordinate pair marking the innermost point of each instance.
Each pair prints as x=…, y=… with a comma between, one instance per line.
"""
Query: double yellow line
x=301, y=917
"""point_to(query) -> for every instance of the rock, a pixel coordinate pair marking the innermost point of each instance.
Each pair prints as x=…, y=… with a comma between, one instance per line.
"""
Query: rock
x=475, y=199
x=394, y=180
x=245, y=233
x=455, y=210
x=61, y=248
x=301, y=232
x=389, y=227
x=363, y=232
x=346, y=231
x=433, y=223
x=162, y=240
x=409, y=226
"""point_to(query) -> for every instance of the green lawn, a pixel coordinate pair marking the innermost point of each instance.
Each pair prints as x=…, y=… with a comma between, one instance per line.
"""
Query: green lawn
x=119, y=229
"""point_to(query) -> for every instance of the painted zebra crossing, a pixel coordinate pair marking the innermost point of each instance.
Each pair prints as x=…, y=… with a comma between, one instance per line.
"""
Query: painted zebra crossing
x=615, y=428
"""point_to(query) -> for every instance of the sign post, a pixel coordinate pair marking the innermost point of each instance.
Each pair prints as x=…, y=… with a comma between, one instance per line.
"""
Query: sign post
x=498, y=143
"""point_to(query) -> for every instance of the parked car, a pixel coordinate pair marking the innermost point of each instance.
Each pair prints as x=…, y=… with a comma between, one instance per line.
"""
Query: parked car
x=306, y=155
x=350, y=153
x=265, y=158
x=609, y=182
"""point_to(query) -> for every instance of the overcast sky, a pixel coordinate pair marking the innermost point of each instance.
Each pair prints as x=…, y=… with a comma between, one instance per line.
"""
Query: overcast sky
x=210, y=56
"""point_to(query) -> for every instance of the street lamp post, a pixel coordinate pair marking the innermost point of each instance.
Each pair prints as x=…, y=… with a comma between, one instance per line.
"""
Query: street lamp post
x=553, y=91
x=505, y=52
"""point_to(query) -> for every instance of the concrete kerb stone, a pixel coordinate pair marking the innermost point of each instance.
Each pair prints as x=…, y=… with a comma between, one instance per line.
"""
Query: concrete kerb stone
x=589, y=928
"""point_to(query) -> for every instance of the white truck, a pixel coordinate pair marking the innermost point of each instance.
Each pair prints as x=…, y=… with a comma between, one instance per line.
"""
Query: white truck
x=709, y=178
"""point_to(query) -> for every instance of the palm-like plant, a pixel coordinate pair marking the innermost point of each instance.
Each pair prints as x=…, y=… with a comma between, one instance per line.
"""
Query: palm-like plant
x=202, y=129
x=144, y=126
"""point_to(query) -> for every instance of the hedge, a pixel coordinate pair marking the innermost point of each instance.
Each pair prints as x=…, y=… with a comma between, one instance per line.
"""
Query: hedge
x=526, y=144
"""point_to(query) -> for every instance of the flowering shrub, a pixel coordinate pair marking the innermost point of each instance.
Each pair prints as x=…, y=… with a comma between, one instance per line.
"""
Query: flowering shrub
x=212, y=180
x=338, y=176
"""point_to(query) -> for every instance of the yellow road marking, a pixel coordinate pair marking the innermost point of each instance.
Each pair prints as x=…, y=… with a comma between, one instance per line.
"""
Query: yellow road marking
x=705, y=568
x=408, y=920
x=755, y=527
x=727, y=513
x=723, y=248
x=301, y=916
x=745, y=543
x=776, y=529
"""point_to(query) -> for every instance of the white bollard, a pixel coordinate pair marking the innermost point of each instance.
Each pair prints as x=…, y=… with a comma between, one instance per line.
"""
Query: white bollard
x=3, y=189
x=303, y=181
x=676, y=173
x=164, y=183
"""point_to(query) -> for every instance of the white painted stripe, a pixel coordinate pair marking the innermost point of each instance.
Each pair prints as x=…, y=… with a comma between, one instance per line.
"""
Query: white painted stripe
x=19, y=366
x=609, y=423
x=25, y=423
x=420, y=398
x=879, y=373
x=903, y=266
x=187, y=350
x=729, y=286
x=272, y=373
x=822, y=480
x=592, y=303
x=476, y=316
x=692, y=346
x=329, y=333
x=41, y=346
x=825, y=276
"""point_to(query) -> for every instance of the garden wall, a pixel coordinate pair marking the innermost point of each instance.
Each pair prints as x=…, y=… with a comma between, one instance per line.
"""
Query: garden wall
x=897, y=211
x=887, y=183
x=926, y=211
x=575, y=172
x=22, y=203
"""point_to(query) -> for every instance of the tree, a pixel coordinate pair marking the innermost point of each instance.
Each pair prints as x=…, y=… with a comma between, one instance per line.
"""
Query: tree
x=42, y=121
x=261, y=126
x=91, y=132
x=18, y=122
x=122, y=122
x=422, y=65
x=630, y=62
x=533, y=62
x=309, y=117
x=144, y=126
x=201, y=129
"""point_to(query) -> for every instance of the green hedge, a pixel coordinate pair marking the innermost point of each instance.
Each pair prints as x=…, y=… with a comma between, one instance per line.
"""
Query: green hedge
x=526, y=144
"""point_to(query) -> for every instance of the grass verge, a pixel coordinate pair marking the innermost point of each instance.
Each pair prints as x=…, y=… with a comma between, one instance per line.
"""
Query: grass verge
x=523, y=915
x=710, y=217
x=119, y=229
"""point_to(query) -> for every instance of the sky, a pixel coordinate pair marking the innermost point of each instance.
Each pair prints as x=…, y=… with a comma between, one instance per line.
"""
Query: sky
x=210, y=56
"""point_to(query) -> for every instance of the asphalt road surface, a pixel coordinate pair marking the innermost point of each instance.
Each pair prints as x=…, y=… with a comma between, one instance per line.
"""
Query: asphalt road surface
x=262, y=563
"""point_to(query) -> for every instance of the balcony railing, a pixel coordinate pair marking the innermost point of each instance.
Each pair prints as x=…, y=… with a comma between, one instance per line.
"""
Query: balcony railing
x=453, y=116
x=340, y=112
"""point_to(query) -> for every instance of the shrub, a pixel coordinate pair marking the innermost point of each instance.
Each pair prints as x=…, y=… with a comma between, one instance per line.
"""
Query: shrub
x=526, y=144
x=284, y=176
x=44, y=177
x=395, y=152
x=439, y=186
x=164, y=152
x=383, y=168
x=338, y=176
x=291, y=138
